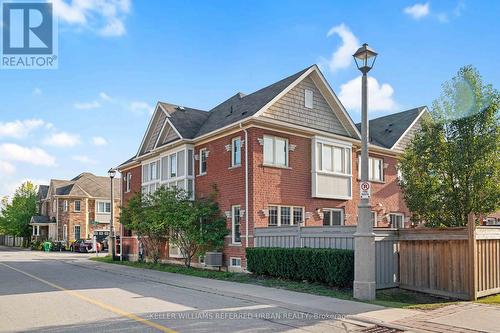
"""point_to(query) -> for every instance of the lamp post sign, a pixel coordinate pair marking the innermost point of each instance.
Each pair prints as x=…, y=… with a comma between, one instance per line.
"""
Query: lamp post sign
x=365, y=190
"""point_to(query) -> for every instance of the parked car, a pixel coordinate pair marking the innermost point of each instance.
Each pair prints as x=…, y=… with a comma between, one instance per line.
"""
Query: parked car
x=75, y=246
x=58, y=246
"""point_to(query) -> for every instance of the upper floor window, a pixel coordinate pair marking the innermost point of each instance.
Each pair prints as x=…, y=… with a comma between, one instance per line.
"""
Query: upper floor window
x=236, y=152
x=203, y=161
x=78, y=205
x=308, y=98
x=103, y=207
x=375, y=169
x=54, y=206
x=151, y=171
x=335, y=159
x=65, y=205
x=275, y=151
x=333, y=216
x=173, y=165
x=128, y=179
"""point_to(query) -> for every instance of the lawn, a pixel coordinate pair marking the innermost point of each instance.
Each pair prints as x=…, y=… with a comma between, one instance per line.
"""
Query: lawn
x=492, y=300
x=395, y=298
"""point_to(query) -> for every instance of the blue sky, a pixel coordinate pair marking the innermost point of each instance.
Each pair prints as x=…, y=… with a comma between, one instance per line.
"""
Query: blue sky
x=118, y=58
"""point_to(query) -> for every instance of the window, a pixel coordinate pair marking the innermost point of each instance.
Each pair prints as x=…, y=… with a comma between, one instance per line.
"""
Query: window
x=173, y=165
x=65, y=205
x=333, y=216
x=308, y=98
x=334, y=159
x=236, y=152
x=65, y=232
x=297, y=215
x=235, y=225
x=235, y=262
x=77, y=232
x=375, y=169
x=275, y=151
x=203, y=161
x=374, y=218
x=397, y=220
x=103, y=207
x=151, y=175
x=78, y=205
x=54, y=205
x=285, y=215
x=190, y=162
x=128, y=179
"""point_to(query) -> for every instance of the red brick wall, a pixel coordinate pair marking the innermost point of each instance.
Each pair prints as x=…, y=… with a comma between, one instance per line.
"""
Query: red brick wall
x=135, y=185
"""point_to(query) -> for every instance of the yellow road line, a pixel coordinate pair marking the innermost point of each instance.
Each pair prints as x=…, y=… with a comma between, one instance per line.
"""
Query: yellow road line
x=96, y=302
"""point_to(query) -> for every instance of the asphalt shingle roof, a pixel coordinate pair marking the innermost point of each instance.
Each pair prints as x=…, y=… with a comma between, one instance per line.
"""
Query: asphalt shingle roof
x=42, y=192
x=385, y=131
x=86, y=185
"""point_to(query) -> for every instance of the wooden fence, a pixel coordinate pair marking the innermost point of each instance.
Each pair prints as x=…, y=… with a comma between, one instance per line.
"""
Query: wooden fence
x=337, y=237
x=8, y=240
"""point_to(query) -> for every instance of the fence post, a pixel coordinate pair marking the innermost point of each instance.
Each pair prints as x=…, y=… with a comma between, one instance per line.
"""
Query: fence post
x=472, y=257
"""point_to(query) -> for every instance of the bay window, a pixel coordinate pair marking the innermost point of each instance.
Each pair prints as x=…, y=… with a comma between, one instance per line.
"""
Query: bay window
x=275, y=151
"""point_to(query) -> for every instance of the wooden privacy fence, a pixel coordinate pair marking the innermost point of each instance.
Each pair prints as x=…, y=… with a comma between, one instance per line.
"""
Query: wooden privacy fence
x=8, y=240
x=337, y=237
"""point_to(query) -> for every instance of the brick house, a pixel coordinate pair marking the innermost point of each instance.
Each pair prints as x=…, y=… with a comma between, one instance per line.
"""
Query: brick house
x=284, y=155
x=78, y=208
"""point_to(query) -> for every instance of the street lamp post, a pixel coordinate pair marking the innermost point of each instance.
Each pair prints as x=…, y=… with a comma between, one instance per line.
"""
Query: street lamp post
x=111, y=243
x=364, y=244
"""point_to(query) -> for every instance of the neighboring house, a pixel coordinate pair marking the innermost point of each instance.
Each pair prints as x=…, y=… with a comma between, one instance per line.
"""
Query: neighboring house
x=77, y=208
x=284, y=155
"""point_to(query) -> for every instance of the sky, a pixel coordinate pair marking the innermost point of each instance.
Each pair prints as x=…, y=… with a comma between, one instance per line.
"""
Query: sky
x=117, y=58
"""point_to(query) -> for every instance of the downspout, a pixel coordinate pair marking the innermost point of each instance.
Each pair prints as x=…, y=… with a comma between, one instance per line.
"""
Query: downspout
x=246, y=184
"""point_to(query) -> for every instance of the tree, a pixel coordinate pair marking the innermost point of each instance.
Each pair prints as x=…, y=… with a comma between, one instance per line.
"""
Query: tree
x=15, y=216
x=170, y=214
x=452, y=166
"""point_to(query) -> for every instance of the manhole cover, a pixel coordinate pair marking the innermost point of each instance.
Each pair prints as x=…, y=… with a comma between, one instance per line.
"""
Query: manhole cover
x=381, y=329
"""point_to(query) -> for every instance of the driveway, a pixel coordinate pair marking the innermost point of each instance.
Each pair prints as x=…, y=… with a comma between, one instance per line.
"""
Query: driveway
x=66, y=292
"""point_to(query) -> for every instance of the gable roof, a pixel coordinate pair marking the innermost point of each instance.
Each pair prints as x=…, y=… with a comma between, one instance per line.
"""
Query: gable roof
x=85, y=185
x=387, y=130
x=42, y=192
x=187, y=121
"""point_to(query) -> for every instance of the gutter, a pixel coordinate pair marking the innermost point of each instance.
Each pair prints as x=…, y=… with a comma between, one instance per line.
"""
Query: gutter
x=246, y=184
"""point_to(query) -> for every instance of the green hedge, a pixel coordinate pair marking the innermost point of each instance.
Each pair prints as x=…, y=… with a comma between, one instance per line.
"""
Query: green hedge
x=332, y=266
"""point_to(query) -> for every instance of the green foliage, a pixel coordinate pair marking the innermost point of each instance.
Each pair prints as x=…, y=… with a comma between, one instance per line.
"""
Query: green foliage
x=16, y=215
x=170, y=214
x=452, y=166
x=332, y=266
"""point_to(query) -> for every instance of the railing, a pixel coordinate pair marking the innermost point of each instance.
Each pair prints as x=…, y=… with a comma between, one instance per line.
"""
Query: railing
x=336, y=237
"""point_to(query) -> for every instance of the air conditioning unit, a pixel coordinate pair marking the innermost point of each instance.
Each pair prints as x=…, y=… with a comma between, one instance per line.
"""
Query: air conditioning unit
x=213, y=259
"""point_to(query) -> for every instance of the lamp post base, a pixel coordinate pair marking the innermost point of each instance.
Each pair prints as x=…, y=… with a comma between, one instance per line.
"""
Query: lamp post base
x=364, y=291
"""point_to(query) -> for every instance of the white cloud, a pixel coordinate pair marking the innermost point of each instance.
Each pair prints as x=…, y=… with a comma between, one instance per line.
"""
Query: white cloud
x=87, y=106
x=33, y=155
x=418, y=10
x=342, y=57
x=37, y=91
x=380, y=96
x=19, y=128
x=105, y=97
x=9, y=188
x=140, y=107
x=83, y=159
x=104, y=17
x=7, y=168
x=99, y=141
x=62, y=139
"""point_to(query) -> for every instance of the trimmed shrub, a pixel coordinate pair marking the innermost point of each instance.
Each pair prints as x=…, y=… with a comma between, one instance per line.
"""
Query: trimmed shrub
x=334, y=267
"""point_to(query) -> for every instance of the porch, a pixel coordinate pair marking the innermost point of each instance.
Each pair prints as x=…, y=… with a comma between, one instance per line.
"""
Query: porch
x=43, y=228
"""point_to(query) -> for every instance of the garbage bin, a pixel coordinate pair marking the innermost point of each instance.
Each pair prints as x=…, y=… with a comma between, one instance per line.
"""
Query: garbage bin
x=47, y=246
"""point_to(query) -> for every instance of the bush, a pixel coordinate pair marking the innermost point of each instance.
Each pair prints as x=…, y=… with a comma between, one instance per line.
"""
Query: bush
x=332, y=266
x=36, y=245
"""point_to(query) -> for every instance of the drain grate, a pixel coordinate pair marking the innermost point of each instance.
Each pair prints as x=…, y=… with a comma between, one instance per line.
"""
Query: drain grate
x=381, y=329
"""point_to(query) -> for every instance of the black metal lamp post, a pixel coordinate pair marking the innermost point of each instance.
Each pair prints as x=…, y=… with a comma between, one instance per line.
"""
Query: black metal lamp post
x=111, y=243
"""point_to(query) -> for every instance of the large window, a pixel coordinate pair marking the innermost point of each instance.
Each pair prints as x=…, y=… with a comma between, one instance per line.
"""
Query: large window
x=235, y=225
x=275, y=151
x=285, y=215
x=333, y=216
x=334, y=159
x=103, y=207
x=397, y=220
x=203, y=161
x=236, y=152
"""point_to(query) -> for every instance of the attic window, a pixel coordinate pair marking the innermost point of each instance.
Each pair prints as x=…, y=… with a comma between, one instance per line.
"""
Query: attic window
x=308, y=98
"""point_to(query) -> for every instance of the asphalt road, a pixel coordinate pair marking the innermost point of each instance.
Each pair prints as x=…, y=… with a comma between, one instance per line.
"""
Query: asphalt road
x=65, y=292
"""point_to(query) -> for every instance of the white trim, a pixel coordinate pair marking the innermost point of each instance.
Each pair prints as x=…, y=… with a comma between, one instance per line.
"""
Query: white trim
x=397, y=214
x=278, y=216
x=105, y=202
x=410, y=127
x=74, y=231
x=74, y=206
x=233, y=165
x=149, y=126
x=200, y=152
x=287, y=152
